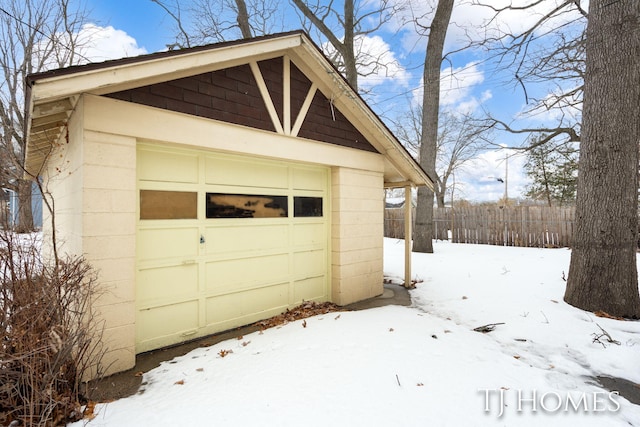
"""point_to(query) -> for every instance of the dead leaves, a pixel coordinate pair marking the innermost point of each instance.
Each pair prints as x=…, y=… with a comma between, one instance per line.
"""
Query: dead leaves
x=304, y=310
x=606, y=315
x=223, y=352
x=89, y=411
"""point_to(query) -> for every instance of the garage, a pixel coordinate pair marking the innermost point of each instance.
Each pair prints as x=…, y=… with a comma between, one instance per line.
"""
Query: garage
x=224, y=241
x=214, y=186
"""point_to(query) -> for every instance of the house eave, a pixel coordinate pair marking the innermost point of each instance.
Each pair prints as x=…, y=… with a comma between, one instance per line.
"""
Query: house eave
x=52, y=96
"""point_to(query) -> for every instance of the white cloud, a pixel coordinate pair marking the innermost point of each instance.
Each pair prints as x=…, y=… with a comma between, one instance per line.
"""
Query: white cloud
x=457, y=87
x=91, y=44
x=377, y=63
x=473, y=103
x=456, y=84
x=479, y=180
x=554, y=108
x=476, y=22
x=103, y=43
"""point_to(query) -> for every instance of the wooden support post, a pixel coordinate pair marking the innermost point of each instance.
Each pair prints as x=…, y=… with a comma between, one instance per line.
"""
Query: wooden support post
x=407, y=237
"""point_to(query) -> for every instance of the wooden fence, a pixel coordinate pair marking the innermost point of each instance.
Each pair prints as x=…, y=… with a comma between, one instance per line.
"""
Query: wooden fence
x=528, y=226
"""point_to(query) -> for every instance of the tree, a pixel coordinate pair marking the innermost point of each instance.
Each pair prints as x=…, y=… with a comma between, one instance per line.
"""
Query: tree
x=549, y=54
x=209, y=21
x=553, y=172
x=603, y=273
x=34, y=35
x=459, y=140
x=345, y=30
x=423, y=232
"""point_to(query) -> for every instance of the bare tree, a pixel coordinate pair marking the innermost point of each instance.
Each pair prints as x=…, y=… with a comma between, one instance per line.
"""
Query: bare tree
x=345, y=29
x=423, y=232
x=603, y=273
x=460, y=139
x=35, y=35
x=551, y=53
x=200, y=22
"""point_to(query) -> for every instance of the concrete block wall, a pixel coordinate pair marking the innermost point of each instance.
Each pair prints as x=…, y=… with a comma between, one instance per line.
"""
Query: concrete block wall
x=357, y=234
x=109, y=238
x=63, y=178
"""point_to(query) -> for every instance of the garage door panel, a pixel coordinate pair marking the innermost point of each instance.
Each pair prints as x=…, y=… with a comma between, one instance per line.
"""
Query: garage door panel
x=244, y=238
x=309, y=263
x=310, y=289
x=209, y=258
x=309, y=234
x=226, y=171
x=246, y=273
x=163, y=243
x=167, y=283
x=309, y=179
x=242, y=304
x=167, y=167
x=174, y=319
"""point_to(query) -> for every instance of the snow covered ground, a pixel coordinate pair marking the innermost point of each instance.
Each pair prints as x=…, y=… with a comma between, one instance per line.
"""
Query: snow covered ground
x=412, y=366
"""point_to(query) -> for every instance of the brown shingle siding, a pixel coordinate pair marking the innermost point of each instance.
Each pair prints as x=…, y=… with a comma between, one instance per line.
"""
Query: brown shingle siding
x=321, y=126
x=197, y=98
x=232, y=95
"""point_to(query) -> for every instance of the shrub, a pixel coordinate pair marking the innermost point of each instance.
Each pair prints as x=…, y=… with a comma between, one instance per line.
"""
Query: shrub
x=50, y=339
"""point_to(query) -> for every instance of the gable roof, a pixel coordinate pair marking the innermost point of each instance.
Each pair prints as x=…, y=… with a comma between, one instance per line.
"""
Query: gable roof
x=52, y=95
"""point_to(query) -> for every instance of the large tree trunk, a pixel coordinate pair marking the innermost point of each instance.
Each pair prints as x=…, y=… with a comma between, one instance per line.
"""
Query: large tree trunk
x=603, y=273
x=423, y=231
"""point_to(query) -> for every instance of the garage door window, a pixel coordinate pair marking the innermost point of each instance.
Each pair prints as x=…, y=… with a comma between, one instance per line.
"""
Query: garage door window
x=220, y=205
x=168, y=204
x=307, y=206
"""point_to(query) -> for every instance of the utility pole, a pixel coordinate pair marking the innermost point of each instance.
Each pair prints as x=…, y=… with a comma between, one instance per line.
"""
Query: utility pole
x=506, y=178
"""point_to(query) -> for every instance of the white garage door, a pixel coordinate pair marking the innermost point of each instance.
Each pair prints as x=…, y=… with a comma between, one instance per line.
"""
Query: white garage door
x=224, y=240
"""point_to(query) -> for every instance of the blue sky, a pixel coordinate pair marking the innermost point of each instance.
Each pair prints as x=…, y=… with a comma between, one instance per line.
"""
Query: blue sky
x=470, y=81
x=141, y=19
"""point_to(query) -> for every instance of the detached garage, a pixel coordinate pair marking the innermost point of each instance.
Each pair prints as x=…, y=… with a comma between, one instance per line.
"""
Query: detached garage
x=215, y=186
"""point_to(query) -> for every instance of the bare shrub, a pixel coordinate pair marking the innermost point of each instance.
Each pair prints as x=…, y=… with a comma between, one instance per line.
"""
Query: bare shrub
x=51, y=339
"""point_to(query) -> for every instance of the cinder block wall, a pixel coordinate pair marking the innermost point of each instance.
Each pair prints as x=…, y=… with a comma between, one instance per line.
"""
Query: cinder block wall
x=357, y=220
x=92, y=176
x=62, y=177
x=109, y=238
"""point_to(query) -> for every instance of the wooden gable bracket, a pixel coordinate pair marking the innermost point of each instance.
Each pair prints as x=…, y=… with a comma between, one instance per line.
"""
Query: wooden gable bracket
x=283, y=127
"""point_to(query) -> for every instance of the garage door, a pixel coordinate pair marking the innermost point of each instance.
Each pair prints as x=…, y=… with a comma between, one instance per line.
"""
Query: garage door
x=225, y=240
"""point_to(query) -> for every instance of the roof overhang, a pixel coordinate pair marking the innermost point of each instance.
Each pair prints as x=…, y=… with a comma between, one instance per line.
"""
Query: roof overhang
x=52, y=95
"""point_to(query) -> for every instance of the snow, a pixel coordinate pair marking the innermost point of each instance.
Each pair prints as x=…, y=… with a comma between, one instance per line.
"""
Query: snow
x=410, y=366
